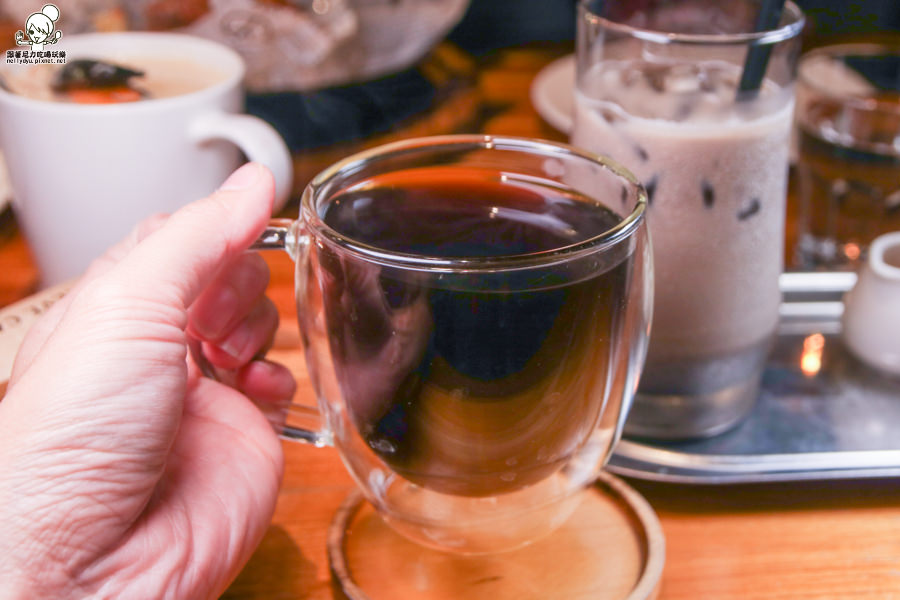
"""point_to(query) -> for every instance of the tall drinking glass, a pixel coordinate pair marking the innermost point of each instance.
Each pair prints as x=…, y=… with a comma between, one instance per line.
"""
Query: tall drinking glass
x=696, y=98
x=848, y=167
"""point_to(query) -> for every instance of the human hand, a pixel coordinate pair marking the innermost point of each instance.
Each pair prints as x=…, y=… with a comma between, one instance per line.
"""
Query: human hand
x=123, y=472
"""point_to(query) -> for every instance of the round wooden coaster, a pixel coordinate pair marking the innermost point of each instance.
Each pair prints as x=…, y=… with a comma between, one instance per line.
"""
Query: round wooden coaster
x=611, y=548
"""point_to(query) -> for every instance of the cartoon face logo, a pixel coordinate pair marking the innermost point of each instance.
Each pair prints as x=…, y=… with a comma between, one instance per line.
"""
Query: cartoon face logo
x=39, y=28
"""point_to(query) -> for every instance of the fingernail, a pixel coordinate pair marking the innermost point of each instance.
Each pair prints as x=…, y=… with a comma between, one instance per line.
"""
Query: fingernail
x=236, y=343
x=210, y=323
x=241, y=179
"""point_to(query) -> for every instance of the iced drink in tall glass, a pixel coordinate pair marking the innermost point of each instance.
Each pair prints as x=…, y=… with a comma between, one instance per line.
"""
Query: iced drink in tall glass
x=664, y=90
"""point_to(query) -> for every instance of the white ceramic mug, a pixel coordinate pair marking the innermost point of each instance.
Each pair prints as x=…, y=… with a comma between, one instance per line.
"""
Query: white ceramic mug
x=84, y=174
x=871, y=323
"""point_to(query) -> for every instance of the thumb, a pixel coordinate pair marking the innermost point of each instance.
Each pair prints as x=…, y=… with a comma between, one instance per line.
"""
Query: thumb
x=178, y=260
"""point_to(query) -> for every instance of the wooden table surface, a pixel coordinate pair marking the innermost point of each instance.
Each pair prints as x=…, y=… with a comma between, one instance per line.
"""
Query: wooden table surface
x=838, y=539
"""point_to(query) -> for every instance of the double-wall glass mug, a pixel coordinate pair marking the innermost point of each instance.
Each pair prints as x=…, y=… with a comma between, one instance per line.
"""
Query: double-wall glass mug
x=474, y=312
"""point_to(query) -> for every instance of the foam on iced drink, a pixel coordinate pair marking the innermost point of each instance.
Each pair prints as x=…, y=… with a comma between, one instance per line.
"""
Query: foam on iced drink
x=716, y=174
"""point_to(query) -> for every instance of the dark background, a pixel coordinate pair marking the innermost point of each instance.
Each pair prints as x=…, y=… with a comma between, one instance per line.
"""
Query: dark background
x=493, y=24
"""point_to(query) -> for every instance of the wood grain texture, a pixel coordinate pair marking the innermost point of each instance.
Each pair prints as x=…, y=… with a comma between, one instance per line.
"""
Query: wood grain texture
x=611, y=546
x=838, y=539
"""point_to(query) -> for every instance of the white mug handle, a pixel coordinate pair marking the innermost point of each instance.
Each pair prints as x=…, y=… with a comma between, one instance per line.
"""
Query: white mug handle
x=258, y=140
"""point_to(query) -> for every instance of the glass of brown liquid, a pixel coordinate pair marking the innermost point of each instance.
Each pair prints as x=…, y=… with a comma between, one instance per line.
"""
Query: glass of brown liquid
x=848, y=122
x=474, y=312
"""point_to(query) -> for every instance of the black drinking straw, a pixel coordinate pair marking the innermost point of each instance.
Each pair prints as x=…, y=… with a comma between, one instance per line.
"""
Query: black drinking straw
x=758, y=55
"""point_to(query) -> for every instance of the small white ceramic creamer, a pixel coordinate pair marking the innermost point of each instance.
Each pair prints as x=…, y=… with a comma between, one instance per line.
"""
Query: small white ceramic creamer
x=871, y=322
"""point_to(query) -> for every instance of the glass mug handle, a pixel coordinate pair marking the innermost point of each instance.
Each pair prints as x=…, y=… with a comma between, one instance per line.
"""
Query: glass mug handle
x=287, y=235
